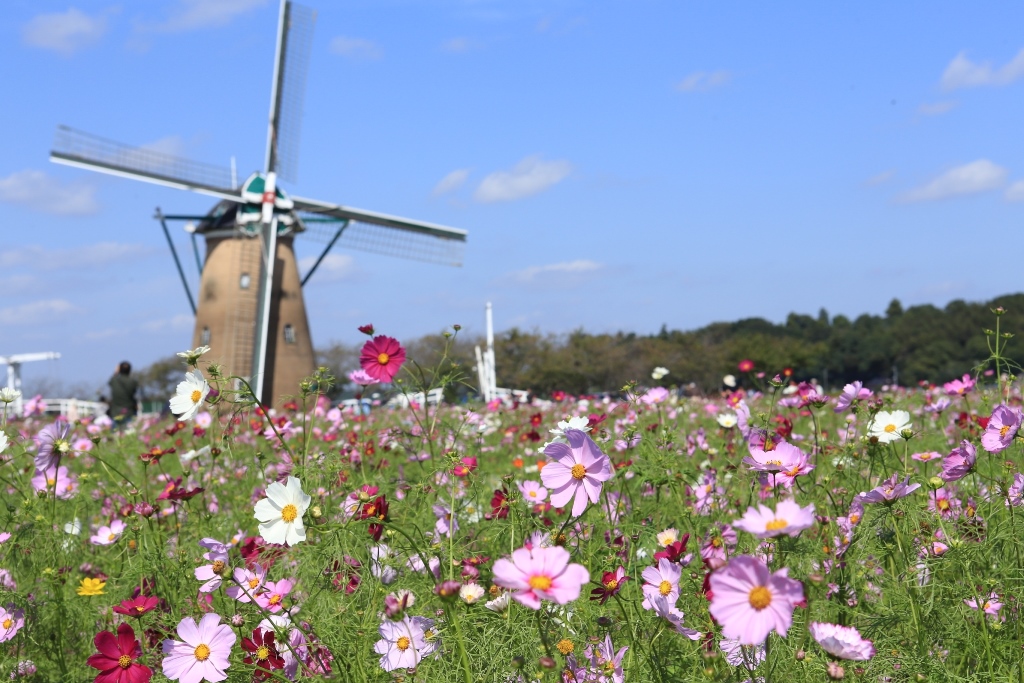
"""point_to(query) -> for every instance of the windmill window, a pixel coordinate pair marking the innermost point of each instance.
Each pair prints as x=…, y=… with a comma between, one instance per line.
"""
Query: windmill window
x=204, y=337
x=289, y=334
x=244, y=281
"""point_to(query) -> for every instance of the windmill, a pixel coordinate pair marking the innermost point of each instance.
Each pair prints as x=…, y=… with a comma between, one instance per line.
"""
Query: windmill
x=249, y=307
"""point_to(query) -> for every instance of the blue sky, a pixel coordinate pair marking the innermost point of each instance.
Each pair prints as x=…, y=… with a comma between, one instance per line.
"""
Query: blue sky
x=618, y=165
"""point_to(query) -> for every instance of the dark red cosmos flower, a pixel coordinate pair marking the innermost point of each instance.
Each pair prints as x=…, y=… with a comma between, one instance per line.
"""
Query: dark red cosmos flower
x=116, y=657
x=536, y=419
x=154, y=454
x=138, y=606
x=255, y=551
x=376, y=531
x=262, y=650
x=175, y=491
x=366, y=329
x=382, y=358
x=746, y=365
x=464, y=466
x=674, y=551
x=787, y=372
x=611, y=583
x=499, y=504
x=174, y=428
x=375, y=509
x=558, y=395
x=594, y=420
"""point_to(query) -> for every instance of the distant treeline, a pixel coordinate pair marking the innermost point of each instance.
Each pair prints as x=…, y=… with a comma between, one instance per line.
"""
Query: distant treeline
x=917, y=343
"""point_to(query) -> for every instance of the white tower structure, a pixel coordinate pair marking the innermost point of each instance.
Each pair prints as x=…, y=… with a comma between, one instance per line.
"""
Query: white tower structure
x=14, y=371
x=485, y=362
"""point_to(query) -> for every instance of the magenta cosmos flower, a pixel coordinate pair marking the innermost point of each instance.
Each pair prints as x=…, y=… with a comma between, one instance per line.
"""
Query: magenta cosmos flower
x=750, y=602
x=889, y=491
x=844, y=642
x=959, y=387
x=404, y=643
x=382, y=357
x=959, y=463
x=539, y=573
x=1002, y=427
x=117, y=657
x=577, y=469
x=788, y=518
x=202, y=652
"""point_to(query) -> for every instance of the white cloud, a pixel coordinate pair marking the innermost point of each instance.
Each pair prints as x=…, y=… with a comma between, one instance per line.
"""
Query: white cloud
x=90, y=256
x=450, y=182
x=64, y=32
x=36, y=312
x=936, y=108
x=459, y=45
x=702, y=81
x=963, y=73
x=883, y=177
x=566, y=268
x=40, y=191
x=978, y=176
x=1015, y=192
x=334, y=268
x=528, y=177
x=356, y=48
x=198, y=14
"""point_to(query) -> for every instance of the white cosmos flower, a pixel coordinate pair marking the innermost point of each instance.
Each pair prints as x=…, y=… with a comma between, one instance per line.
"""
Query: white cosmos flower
x=500, y=603
x=727, y=420
x=280, y=513
x=9, y=395
x=887, y=427
x=3, y=442
x=658, y=373
x=581, y=423
x=192, y=355
x=189, y=396
x=471, y=592
x=729, y=381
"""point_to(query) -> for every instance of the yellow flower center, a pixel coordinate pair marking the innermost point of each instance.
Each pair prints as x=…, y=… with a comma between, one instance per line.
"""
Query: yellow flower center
x=664, y=587
x=533, y=494
x=760, y=597
x=566, y=646
x=253, y=582
x=140, y=608
x=112, y=537
x=197, y=396
x=1003, y=430
x=854, y=519
x=383, y=359
x=943, y=504
x=263, y=652
x=275, y=599
x=289, y=513
x=8, y=622
x=776, y=463
x=578, y=471
x=611, y=584
x=890, y=428
x=202, y=652
x=540, y=582
x=50, y=481
x=218, y=566
x=403, y=643
x=776, y=524
x=716, y=542
x=124, y=661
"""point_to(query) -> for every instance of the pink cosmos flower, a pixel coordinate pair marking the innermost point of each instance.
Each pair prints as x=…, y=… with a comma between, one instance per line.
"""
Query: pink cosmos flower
x=664, y=608
x=851, y=394
x=1002, y=427
x=577, y=469
x=361, y=377
x=272, y=596
x=12, y=620
x=661, y=581
x=52, y=443
x=844, y=642
x=991, y=606
x=789, y=518
x=718, y=542
x=959, y=463
x=797, y=466
x=747, y=656
x=541, y=574
x=889, y=491
x=382, y=358
x=533, y=492
x=404, y=643
x=959, y=387
x=750, y=602
x=944, y=504
x=57, y=480
x=108, y=535
x=247, y=583
x=774, y=456
x=1015, y=494
x=212, y=573
x=927, y=456
x=202, y=653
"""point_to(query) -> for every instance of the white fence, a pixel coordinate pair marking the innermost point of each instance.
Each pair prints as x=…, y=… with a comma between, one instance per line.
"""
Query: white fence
x=73, y=408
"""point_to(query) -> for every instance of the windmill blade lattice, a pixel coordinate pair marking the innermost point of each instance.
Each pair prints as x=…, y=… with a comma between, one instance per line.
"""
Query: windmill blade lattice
x=388, y=241
x=78, y=148
x=290, y=90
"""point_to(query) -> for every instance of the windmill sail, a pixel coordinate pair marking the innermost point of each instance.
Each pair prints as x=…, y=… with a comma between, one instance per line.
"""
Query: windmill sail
x=84, y=150
x=291, y=64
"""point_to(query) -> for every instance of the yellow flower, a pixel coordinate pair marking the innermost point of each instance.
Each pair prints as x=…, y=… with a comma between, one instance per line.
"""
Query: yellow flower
x=91, y=587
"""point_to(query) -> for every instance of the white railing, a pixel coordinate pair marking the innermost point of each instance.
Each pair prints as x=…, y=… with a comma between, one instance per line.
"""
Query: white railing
x=73, y=408
x=433, y=397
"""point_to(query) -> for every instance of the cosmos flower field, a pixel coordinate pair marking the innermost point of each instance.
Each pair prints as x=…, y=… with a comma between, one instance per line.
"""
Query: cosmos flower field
x=771, y=530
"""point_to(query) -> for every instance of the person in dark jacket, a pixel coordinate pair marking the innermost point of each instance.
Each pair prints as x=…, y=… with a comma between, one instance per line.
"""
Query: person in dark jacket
x=123, y=388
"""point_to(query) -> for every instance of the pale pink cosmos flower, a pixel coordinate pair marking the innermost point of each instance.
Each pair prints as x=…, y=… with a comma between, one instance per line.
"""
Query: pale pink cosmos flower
x=851, y=394
x=404, y=643
x=211, y=573
x=718, y=542
x=577, y=469
x=788, y=518
x=774, y=457
x=664, y=607
x=1002, y=427
x=361, y=377
x=108, y=535
x=271, y=598
x=202, y=653
x=247, y=583
x=844, y=642
x=57, y=480
x=927, y=456
x=797, y=466
x=959, y=387
x=991, y=606
x=12, y=620
x=747, y=656
x=533, y=492
x=750, y=602
x=661, y=581
x=52, y=443
x=889, y=491
x=1014, y=495
x=541, y=574
x=959, y=463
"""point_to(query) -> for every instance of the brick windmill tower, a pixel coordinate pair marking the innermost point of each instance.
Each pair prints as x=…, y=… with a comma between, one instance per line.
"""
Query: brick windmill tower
x=250, y=307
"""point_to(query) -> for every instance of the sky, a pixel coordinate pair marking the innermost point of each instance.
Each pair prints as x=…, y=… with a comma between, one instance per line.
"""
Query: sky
x=618, y=165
